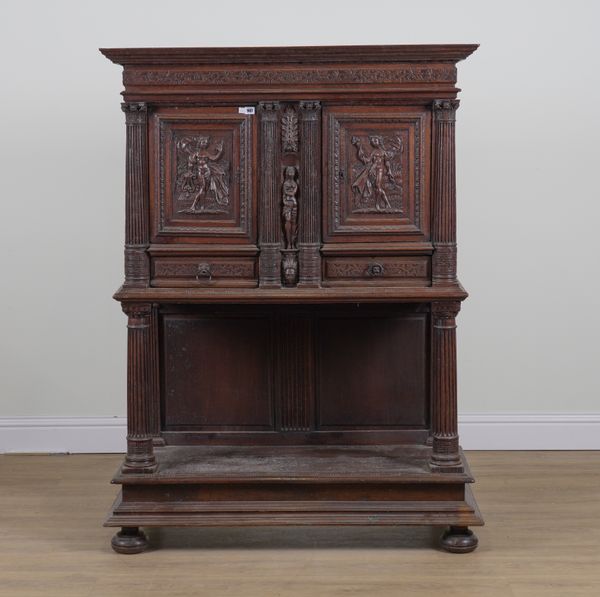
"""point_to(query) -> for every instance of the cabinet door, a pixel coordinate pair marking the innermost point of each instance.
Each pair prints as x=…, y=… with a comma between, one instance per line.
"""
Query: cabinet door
x=201, y=179
x=376, y=164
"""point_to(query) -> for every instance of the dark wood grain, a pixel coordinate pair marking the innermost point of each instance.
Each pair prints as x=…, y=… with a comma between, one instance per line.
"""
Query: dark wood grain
x=291, y=290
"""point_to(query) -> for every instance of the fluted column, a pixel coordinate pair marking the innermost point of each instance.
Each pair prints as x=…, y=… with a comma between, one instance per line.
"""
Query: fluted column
x=309, y=234
x=445, y=455
x=140, y=453
x=444, y=193
x=137, y=265
x=269, y=205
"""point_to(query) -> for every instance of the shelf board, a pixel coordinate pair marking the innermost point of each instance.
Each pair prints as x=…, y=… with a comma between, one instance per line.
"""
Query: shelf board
x=294, y=464
x=363, y=294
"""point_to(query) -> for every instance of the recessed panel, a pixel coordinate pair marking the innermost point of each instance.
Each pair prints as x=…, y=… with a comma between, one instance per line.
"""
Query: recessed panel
x=376, y=181
x=203, y=181
x=216, y=373
x=372, y=372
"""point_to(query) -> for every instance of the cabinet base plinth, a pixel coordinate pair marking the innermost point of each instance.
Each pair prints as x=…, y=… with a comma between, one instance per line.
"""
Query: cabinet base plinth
x=212, y=492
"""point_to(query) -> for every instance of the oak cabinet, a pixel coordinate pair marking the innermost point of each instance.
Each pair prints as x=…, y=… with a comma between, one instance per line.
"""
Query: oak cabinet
x=290, y=287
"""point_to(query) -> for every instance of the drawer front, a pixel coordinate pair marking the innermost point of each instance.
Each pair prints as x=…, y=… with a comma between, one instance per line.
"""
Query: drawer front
x=377, y=271
x=204, y=271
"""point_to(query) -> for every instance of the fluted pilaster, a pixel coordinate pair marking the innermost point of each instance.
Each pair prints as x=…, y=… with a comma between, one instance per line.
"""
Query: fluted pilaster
x=270, y=185
x=137, y=265
x=140, y=381
x=309, y=234
x=444, y=193
x=445, y=453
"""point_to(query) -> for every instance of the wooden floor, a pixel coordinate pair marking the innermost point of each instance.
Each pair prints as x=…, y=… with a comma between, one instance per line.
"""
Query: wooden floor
x=542, y=537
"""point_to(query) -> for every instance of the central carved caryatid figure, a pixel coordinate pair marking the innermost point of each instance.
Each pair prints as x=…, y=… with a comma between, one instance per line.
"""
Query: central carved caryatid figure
x=289, y=216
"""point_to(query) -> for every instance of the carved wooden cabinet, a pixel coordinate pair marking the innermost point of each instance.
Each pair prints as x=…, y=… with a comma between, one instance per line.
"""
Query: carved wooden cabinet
x=291, y=292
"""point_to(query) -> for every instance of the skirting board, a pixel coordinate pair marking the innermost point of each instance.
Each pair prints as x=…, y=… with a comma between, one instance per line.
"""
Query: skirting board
x=490, y=431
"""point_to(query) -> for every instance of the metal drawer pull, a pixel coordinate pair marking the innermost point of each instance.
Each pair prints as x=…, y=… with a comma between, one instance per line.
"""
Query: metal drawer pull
x=204, y=272
x=375, y=269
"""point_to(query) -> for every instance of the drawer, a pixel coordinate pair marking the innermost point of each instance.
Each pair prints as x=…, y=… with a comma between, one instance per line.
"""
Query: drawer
x=204, y=271
x=377, y=271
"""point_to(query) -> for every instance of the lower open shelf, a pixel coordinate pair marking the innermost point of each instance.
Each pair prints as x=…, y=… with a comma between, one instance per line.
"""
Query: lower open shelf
x=294, y=485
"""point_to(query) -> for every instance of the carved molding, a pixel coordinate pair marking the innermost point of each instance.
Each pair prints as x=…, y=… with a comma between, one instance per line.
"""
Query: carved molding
x=400, y=74
x=289, y=130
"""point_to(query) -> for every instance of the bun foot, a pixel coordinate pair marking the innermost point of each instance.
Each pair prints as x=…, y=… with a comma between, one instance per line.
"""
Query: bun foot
x=129, y=540
x=459, y=540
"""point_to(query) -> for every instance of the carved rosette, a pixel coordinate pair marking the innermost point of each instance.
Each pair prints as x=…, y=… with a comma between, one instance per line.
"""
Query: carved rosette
x=309, y=236
x=137, y=263
x=270, y=229
x=444, y=193
x=445, y=455
x=141, y=380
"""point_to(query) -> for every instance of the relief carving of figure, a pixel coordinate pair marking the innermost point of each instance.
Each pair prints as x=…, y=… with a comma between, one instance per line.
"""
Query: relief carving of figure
x=375, y=173
x=200, y=176
x=289, y=212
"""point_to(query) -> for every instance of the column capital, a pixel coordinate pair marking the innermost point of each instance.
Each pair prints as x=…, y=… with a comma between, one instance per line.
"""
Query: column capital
x=135, y=112
x=445, y=109
x=138, y=313
x=269, y=110
x=445, y=309
x=310, y=109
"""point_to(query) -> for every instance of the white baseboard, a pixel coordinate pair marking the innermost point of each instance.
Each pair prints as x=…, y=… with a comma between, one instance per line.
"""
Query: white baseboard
x=493, y=431
x=530, y=431
x=62, y=434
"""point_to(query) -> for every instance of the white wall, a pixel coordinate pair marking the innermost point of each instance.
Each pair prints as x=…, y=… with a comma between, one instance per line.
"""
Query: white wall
x=527, y=181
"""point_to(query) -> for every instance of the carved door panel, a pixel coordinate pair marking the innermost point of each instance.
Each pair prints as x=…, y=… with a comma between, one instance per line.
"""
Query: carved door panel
x=376, y=165
x=202, y=183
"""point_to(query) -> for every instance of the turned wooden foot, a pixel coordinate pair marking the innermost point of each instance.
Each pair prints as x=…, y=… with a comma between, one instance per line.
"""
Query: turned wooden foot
x=129, y=540
x=459, y=540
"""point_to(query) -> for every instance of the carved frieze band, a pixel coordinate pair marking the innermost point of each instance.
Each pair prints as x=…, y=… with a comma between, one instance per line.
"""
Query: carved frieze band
x=295, y=374
x=444, y=193
x=137, y=269
x=270, y=228
x=309, y=239
x=416, y=73
x=445, y=453
x=140, y=382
